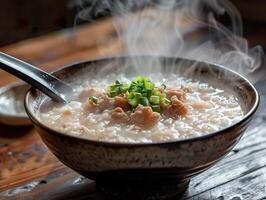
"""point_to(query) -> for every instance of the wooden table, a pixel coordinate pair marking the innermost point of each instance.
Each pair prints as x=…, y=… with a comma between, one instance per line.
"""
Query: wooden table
x=29, y=171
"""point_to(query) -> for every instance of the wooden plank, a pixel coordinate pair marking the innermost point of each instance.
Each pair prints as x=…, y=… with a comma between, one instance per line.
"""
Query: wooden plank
x=24, y=158
x=68, y=186
x=249, y=186
x=239, y=163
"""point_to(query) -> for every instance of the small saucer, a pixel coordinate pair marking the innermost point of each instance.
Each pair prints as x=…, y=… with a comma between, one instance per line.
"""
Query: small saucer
x=12, y=110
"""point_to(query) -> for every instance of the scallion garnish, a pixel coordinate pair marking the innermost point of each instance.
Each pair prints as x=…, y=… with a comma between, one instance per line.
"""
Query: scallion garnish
x=156, y=108
x=165, y=102
x=117, y=82
x=93, y=99
x=155, y=100
x=163, y=86
x=144, y=101
x=133, y=102
x=141, y=91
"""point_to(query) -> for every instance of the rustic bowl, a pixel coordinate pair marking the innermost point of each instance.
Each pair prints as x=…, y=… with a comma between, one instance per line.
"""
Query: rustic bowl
x=145, y=171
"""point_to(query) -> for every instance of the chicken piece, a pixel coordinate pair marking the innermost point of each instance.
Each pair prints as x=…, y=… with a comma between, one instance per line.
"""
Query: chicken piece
x=201, y=105
x=144, y=117
x=91, y=91
x=104, y=103
x=176, y=109
x=66, y=112
x=90, y=107
x=180, y=94
x=122, y=103
x=119, y=116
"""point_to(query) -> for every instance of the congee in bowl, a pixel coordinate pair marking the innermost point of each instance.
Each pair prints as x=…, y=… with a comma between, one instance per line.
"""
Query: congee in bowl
x=142, y=126
x=160, y=107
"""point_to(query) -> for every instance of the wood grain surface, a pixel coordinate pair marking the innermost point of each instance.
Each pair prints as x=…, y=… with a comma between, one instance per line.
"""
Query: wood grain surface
x=29, y=171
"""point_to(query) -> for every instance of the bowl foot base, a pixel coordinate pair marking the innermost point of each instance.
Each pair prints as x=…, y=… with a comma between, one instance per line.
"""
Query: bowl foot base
x=143, y=191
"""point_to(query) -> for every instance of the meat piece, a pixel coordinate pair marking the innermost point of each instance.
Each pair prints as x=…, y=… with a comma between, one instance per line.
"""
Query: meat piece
x=177, y=104
x=176, y=109
x=88, y=92
x=201, y=105
x=119, y=116
x=90, y=107
x=122, y=103
x=104, y=103
x=145, y=117
x=66, y=112
x=180, y=94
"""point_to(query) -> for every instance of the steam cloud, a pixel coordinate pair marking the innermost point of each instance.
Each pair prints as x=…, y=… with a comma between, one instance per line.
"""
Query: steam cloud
x=174, y=28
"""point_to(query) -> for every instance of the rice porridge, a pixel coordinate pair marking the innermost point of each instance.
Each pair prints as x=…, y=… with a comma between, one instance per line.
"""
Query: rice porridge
x=144, y=110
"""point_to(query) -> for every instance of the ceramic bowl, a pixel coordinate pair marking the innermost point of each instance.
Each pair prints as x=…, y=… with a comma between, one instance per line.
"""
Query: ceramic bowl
x=11, y=104
x=146, y=171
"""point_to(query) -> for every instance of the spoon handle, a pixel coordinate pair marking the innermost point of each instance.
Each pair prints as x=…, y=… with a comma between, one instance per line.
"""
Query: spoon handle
x=48, y=84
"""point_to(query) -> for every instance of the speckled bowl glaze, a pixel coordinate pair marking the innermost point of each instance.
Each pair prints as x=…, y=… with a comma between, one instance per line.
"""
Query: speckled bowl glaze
x=146, y=171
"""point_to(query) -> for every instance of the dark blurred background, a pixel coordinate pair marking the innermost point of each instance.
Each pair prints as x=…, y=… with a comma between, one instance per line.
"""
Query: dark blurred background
x=30, y=18
x=21, y=19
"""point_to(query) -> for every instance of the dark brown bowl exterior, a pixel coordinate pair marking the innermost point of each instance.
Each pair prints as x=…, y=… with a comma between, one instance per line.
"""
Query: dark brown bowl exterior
x=167, y=166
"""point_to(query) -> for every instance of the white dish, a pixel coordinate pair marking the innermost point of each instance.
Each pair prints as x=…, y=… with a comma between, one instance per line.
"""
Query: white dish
x=12, y=110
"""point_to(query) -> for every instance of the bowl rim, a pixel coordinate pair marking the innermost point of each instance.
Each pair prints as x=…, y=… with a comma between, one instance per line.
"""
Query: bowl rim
x=207, y=136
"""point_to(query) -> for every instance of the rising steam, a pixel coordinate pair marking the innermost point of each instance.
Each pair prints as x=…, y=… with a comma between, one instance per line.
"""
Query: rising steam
x=181, y=28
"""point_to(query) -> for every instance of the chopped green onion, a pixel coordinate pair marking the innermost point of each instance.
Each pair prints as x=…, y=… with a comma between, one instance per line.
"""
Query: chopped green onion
x=138, y=79
x=162, y=95
x=165, y=101
x=117, y=82
x=130, y=95
x=111, y=87
x=124, y=88
x=93, y=99
x=163, y=85
x=144, y=94
x=155, y=99
x=133, y=102
x=149, y=92
x=140, y=91
x=148, y=84
x=144, y=101
x=117, y=88
x=156, y=108
x=158, y=93
x=137, y=95
x=113, y=94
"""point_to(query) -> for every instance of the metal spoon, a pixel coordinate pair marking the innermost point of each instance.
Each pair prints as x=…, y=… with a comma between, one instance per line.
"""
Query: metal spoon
x=48, y=84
